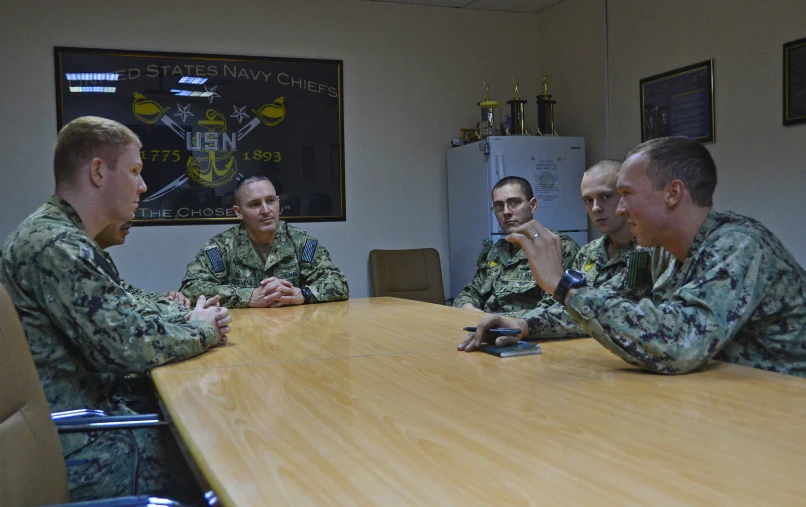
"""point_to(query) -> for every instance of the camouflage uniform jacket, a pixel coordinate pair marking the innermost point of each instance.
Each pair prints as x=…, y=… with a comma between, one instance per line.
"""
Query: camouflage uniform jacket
x=739, y=297
x=229, y=266
x=552, y=321
x=85, y=332
x=503, y=282
x=170, y=310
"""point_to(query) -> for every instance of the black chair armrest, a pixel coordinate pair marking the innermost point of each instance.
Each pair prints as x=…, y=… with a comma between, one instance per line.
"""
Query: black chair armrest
x=125, y=501
x=85, y=423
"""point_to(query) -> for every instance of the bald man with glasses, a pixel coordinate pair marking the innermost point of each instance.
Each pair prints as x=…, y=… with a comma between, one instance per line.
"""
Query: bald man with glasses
x=503, y=283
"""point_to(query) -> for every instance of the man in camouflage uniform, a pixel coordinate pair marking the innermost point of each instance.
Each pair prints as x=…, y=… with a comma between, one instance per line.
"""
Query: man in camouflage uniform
x=503, y=283
x=606, y=261
x=263, y=262
x=725, y=287
x=85, y=332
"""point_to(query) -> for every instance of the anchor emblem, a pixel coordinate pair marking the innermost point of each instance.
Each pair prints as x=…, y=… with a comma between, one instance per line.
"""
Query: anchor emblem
x=213, y=168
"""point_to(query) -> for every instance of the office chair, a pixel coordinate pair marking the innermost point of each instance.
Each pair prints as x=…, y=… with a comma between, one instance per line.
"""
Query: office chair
x=32, y=469
x=408, y=274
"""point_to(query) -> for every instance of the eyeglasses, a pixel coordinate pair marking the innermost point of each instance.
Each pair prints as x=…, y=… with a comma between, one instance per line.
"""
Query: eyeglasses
x=512, y=204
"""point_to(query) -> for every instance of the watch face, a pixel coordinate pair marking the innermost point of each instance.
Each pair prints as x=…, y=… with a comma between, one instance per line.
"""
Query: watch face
x=575, y=276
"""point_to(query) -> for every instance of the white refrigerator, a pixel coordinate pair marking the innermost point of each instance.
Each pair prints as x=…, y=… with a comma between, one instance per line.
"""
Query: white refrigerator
x=553, y=165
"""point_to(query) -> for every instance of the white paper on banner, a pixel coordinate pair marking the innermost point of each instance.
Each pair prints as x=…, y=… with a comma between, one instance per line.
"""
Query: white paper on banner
x=545, y=176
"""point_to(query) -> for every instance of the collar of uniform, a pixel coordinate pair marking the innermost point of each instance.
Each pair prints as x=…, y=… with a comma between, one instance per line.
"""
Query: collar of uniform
x=712, y=221
x=625, y=252
x=68, y=210
x=247, y=253
x=111, y=262
x=501, y=253
x=600, y=251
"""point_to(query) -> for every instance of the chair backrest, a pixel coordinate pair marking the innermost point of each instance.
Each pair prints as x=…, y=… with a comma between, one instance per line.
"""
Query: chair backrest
x=32, y=470
x=407, y=274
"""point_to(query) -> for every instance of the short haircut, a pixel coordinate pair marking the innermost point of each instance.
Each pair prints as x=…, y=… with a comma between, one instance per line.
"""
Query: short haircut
x=526, y=187
x=602, y=166
x=85, y=138
x=680, y=158
x=242, y=182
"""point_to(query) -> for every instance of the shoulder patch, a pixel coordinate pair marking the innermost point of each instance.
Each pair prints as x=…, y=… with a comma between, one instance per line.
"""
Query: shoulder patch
x=639, y=273
x=215, y=259
x=309, y=250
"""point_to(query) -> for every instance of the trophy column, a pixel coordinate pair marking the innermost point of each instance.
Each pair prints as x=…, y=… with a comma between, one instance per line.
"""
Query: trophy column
x=518, y=119
x=545, y=110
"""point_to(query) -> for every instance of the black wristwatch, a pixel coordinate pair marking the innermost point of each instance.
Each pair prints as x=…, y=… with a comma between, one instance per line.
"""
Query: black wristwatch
x=571, y=279
x=307, y=295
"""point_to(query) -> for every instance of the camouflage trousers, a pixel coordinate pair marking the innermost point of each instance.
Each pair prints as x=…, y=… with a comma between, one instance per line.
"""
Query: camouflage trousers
x=101, y=465
x=103, y=468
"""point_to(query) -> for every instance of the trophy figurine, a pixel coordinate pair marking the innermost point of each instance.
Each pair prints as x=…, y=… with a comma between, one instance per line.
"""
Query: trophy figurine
x=516, y=105
x=489, y=124
x=545, y=110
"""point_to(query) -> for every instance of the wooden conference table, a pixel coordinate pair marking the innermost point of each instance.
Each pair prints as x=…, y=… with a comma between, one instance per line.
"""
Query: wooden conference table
x=368, y=402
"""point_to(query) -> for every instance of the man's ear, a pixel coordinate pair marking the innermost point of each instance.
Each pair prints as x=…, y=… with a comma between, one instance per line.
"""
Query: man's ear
x=533, y=204
x=674, y=193
x=96, y=172
x=237, y=211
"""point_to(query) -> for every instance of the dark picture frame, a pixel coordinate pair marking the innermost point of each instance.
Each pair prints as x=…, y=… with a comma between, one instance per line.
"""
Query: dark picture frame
x=679, y=102
x=208, y=120
x=794, y=82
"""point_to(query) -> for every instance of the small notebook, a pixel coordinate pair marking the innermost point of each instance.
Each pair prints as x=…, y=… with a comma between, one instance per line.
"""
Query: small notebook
x=521, y=348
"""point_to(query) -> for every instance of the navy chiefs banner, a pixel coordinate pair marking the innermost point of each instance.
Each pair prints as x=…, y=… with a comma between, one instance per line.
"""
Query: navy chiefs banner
x=208, y=120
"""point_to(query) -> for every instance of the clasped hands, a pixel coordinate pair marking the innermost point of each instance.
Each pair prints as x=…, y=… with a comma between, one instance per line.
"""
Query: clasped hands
x=543, y=249
x=211, y=311
x=275, y=292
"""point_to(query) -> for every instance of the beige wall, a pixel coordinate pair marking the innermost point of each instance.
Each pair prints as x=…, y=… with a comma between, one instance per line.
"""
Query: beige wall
x=761, y=164
x=573, y=35
x=412, y=77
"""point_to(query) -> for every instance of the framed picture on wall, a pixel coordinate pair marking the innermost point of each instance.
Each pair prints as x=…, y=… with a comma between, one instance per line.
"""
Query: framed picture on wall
x=795, y=82
x=679, y=103
x=206, y=121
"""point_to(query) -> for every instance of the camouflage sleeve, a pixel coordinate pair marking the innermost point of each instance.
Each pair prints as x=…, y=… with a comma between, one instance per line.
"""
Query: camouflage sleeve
x=114, y=333
x=201, y=279
x=326, y=281
x=170, y=311
x=476, y=292
x=551, y=321
x=140, y=293
x=683, y=332
x=570, y=251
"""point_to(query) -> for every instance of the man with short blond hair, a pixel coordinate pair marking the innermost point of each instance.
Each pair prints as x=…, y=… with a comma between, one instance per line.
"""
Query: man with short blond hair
x=85, y=332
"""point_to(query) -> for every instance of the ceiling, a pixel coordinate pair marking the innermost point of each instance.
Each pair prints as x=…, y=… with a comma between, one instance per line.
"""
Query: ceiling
x=527, y=6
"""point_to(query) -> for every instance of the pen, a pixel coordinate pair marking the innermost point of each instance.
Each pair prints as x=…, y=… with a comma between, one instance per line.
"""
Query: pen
x=509, y=331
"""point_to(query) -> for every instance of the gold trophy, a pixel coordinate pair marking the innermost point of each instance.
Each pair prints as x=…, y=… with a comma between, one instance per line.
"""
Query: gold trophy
x=489, y=124
x=516, y=106
x=545, y=109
